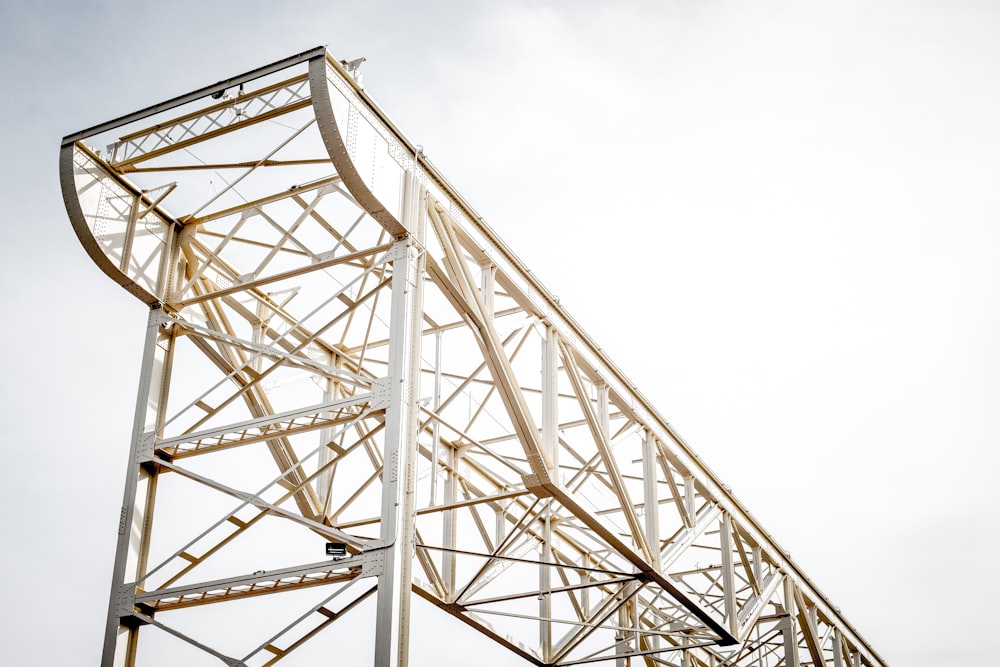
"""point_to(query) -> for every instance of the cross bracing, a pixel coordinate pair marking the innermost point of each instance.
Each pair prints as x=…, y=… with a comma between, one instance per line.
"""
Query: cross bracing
x=340, y=350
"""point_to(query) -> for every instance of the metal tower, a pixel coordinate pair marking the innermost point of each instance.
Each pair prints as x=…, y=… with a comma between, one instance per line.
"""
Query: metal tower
x=341, y=355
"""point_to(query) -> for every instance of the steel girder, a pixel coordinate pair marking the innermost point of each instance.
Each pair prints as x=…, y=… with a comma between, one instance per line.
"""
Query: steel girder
x=340, y=350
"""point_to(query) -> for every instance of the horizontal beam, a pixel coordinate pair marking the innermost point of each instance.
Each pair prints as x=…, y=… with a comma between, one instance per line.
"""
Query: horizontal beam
x=276, y=581
x=205, y=91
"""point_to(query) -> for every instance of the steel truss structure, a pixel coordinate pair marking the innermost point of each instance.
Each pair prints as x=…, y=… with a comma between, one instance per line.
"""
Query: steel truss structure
x=339, y=350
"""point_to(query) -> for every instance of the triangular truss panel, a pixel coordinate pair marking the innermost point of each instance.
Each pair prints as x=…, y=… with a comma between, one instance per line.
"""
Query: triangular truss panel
x=353, y=392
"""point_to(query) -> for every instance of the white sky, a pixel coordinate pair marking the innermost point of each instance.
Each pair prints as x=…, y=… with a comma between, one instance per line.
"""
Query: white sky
x=778, y=218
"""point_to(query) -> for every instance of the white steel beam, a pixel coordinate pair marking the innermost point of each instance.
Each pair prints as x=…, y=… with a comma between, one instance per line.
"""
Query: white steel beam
x=397, y=533
x=121, y=630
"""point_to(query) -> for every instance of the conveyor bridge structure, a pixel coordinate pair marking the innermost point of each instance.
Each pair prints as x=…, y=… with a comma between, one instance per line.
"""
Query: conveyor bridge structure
x=340, y=352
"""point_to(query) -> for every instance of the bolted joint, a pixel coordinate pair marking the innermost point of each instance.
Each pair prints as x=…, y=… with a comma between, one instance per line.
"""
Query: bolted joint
x=393, y=466
x=373, y=562
x=402, y=249
x=381, y=393
x=123, y=520
x=144, y=447
x=125, y=601
x=538, y=485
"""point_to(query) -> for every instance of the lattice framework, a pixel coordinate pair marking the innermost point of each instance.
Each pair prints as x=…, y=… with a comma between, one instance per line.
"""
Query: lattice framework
x=338, y=349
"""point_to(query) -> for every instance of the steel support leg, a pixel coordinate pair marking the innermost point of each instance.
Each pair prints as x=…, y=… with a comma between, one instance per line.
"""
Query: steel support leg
x=397, y=531
x=787, y=626
x=120, y=635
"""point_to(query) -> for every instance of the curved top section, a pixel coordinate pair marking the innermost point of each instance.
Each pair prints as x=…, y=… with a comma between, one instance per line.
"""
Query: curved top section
x=120, y=224
x=370, y=159
x=107, y=232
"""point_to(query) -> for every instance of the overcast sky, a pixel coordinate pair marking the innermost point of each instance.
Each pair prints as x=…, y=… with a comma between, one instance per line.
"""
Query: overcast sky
x=780, y=219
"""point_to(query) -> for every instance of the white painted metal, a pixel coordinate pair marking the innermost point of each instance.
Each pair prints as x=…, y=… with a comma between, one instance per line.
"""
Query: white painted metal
x=396, y=543
x=340, y=350
x=120, y=637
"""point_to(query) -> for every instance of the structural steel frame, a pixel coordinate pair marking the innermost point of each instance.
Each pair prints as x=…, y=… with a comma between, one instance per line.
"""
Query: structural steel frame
x=339, y=349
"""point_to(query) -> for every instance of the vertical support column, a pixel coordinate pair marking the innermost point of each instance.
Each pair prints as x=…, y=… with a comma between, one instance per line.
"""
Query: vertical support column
x=787, y=626
x=324, y=482
x=651, y=500
x=603, y=410
x=651, y=512
x=500, y=526
x=758, y=574
x=621, y=634
x=392, y=613
x=449, y=537
x=838, y=649
x=689, y=495
x=550, y=398
x=621, y=638
x=436, y=427
x=487, y=284
x=257, y=335
x=545, y=586
x=121, y=632
x=453, y=456
x=728, y=574
x=550, y=443
x=637, y=626
x=133, y=219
